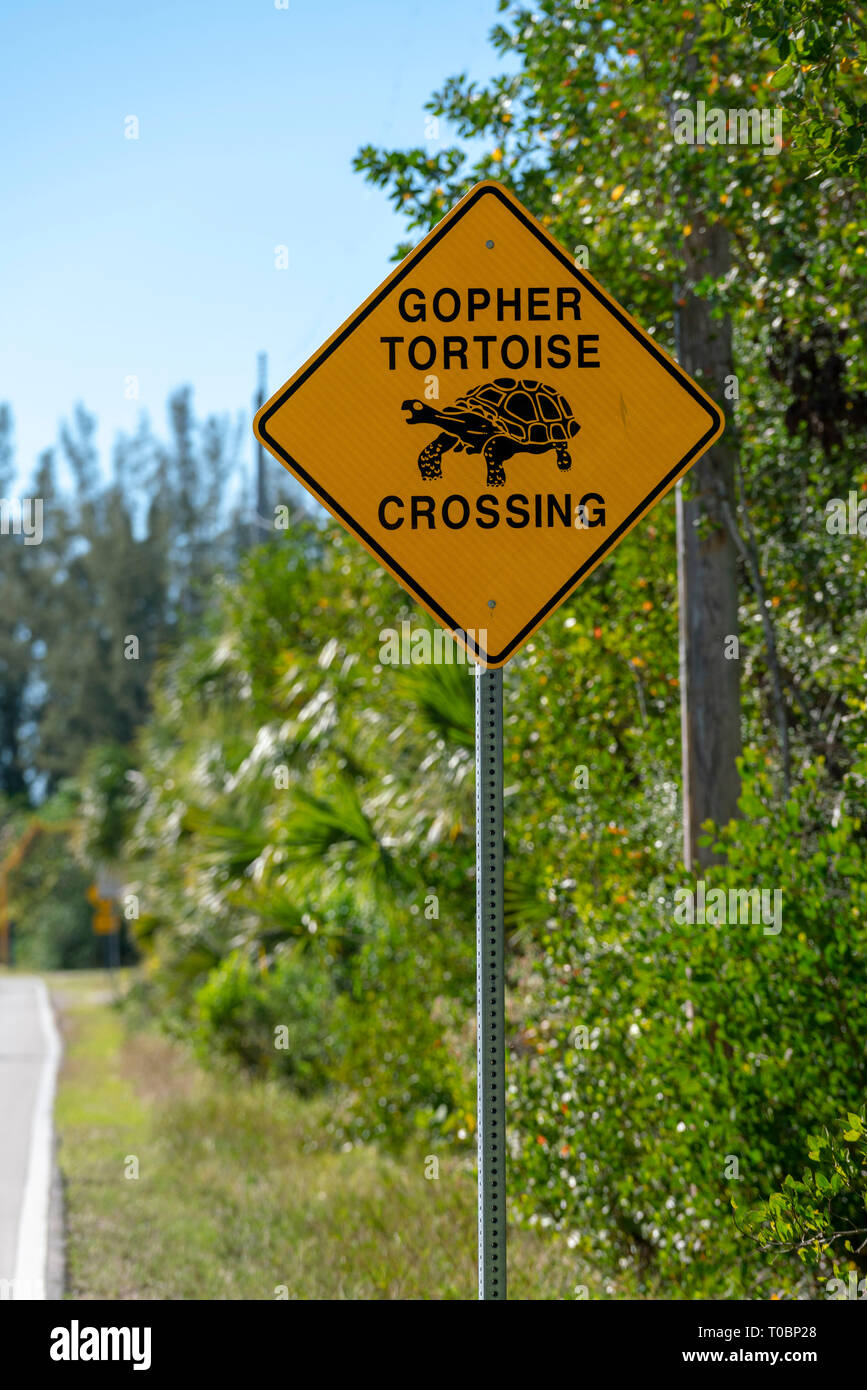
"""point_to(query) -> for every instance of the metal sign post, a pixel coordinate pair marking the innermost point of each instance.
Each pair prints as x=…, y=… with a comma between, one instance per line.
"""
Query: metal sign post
x=489, y=338
x=490, y=990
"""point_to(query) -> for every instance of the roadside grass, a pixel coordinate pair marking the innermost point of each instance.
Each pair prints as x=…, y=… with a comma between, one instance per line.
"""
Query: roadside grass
x=233, y=1201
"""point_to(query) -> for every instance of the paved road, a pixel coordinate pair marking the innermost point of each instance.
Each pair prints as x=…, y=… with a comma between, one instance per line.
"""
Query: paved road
x=29, y=1053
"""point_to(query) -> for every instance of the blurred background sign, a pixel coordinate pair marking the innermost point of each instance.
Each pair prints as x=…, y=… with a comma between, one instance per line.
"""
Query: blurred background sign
x=104, y=895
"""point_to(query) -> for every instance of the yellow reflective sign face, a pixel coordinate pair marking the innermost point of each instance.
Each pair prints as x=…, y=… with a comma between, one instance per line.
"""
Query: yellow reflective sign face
x=489, y=424
x=103, y=919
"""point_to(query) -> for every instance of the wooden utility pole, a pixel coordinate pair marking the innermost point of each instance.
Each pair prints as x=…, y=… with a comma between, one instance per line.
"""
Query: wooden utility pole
x=707, y=567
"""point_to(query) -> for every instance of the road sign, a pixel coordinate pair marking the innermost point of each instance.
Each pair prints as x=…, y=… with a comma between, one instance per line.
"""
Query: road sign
x=490, y=423
x=103, y=919
x=103, y=916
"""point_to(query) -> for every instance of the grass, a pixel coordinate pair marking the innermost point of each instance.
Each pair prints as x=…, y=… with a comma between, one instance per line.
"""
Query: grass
x=234, y=1200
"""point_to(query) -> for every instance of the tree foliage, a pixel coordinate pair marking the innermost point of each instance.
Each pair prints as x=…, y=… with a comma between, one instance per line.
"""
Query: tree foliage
x=296, y=817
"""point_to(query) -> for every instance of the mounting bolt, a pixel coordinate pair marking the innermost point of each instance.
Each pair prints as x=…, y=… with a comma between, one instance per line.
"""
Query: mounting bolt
x=492, y=603
x=490, y=245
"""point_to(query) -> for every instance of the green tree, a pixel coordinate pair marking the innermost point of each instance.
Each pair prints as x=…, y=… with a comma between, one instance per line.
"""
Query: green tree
x=122, y=566
x=821, y=52
x=582, y=128
x=15, y=636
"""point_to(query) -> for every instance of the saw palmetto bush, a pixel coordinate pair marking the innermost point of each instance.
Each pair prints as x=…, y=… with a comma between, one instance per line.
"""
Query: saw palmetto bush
x=292, y=803
x=302, y=851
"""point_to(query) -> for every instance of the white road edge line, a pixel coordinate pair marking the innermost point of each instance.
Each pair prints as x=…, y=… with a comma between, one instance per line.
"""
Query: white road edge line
x=32, y=1254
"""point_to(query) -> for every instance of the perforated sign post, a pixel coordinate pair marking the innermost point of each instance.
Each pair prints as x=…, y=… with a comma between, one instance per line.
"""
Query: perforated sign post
x=489, y=424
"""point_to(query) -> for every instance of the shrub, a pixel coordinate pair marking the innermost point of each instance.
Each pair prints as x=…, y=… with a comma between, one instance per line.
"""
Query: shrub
x=272, y=1018
x=406, y=1051
x=709, y=1051
x=822, y=1216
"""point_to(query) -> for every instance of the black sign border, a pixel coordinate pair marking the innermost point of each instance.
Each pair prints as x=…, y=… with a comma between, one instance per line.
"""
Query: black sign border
x=404, y=269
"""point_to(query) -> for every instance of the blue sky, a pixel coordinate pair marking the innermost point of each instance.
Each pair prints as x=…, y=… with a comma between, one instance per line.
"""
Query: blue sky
x=155, y=257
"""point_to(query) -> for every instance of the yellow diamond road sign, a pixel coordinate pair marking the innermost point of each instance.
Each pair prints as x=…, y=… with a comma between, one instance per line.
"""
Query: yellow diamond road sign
x=489, y=424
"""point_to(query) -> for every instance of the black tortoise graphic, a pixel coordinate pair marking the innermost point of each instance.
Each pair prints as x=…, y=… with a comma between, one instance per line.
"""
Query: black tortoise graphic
x=502, y=418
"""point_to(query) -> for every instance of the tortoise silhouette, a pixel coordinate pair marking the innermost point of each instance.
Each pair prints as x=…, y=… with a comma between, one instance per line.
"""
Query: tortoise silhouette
x=501, y=418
